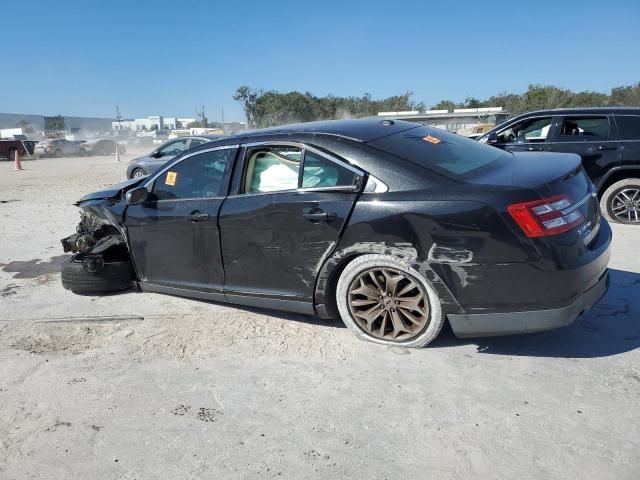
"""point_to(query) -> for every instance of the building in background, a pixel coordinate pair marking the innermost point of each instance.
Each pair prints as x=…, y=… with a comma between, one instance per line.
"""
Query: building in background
x=158, y=122
x=153, y=122
x=38, y=124
x=465, y=121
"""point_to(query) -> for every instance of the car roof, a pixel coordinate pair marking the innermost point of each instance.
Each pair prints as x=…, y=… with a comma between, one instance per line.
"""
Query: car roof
x=362, y=130
x=586, y=111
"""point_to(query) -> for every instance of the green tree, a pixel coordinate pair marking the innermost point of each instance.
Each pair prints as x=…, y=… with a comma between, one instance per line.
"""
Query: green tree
x=25, y=126
x=269, y=108
x=625, y=96
x=54, y=123
x=444, y=105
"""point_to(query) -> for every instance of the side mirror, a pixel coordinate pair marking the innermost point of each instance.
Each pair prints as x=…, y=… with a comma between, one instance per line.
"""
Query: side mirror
x=137, y=196
x=492, y=138
x=156, y=154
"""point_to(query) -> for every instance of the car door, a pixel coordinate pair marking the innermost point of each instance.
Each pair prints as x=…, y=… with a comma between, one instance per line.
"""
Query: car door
x=174, y=236
x=528, y=135
x=628, y=127
x=287, y=213
x=591, y=137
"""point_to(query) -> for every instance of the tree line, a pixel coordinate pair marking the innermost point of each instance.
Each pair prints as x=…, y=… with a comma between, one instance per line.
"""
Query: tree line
x=270, y=107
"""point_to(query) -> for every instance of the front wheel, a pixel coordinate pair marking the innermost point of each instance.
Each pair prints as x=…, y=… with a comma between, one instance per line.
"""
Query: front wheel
x=137, y=173
x=621, y=201
x=383, y=300
x=84, y=279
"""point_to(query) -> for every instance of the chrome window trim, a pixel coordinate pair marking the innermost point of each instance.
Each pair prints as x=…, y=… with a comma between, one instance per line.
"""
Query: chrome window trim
x=375, y=185
x=341, y=188
x=576, y=206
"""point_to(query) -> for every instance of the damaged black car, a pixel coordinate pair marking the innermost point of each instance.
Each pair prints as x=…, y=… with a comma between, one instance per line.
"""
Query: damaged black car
x=391, y=226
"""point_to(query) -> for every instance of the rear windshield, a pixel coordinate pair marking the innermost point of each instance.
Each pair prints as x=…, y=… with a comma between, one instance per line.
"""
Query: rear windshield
x=443, y=152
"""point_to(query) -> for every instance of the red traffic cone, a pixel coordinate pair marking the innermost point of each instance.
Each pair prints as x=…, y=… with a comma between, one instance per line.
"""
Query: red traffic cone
x=17, y=165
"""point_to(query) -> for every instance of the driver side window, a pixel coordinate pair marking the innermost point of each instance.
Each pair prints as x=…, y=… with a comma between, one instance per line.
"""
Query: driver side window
x=198, y=176
x=532, y=130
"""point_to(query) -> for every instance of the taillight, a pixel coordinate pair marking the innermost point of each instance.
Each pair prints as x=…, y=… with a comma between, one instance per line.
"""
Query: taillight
x=549, y=216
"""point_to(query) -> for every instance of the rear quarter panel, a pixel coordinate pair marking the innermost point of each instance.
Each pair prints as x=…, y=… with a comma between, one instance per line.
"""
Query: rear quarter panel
x=440, y=238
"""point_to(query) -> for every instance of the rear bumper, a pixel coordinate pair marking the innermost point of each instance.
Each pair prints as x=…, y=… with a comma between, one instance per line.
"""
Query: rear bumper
x=493, y=324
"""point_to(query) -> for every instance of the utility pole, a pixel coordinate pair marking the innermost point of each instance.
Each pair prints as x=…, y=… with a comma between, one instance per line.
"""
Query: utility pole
x=203, y=118
x=222, y=114
x=118, y=117
x=119, y=120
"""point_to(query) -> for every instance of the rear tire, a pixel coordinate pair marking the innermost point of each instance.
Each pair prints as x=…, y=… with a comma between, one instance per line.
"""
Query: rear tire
x=11, y=154
x=385, y=295
x=58, y=153
x=620, y=203
x=114, y=277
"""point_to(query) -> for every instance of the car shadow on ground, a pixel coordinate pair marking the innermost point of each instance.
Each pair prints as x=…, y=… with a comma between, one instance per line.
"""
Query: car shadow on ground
x=610, y=328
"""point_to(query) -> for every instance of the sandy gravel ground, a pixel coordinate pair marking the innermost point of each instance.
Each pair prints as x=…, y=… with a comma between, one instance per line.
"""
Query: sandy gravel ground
x=138, y=386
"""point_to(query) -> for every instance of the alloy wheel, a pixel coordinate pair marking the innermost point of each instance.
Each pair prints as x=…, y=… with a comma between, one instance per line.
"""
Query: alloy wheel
x=625, y=205
x=388, y=304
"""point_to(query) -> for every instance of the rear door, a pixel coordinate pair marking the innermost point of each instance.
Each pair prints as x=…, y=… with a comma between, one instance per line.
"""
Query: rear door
x=629, y=136
x=174, y=236
x=287, y=213
x=591, y=137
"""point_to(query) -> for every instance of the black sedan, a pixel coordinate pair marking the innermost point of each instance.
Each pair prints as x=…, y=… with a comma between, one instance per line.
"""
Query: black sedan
x=391, y=226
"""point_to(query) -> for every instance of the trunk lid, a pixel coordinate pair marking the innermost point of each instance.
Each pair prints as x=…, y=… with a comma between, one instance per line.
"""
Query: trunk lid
x=557, y=178
x=547, y=174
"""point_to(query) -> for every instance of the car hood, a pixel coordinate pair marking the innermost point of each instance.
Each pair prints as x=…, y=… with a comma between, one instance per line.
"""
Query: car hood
x=114, y=191
x=148, y=159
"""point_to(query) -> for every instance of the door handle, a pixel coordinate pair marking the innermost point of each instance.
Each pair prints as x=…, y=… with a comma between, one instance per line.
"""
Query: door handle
x=534, y=149
x=319, y=216
x=198, y=216
x=607, y=147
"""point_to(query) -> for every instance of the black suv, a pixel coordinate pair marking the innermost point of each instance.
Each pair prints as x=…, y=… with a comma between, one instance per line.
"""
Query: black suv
x=607, y=139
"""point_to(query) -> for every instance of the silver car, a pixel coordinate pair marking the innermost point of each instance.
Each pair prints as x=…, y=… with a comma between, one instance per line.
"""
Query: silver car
x=141, y=166
x=59, y=148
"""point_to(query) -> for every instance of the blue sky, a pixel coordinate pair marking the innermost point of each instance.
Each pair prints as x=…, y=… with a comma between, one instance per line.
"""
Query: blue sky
x=170, y=57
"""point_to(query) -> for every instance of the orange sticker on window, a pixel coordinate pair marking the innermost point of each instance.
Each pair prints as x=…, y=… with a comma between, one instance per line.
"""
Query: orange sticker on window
x=171, y=178
x=431, y=139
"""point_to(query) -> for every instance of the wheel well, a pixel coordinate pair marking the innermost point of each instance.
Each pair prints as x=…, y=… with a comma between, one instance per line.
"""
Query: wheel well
x=332, y=283
x=616, y=177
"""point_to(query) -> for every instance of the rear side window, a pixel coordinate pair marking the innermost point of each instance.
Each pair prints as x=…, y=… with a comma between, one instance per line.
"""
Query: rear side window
x=584, y=129
x=628, y=127
x=445, y=153
x=199, y=176
x=281, y=168
x=272, y=169
x=319, y=172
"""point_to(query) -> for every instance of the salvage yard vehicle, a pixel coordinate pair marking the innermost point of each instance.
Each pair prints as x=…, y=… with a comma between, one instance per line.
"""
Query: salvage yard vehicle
x=392, y=226
x=100, y=147
x=8, y=147
x=59, y=147
x=607, y=140
x=142, y=166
